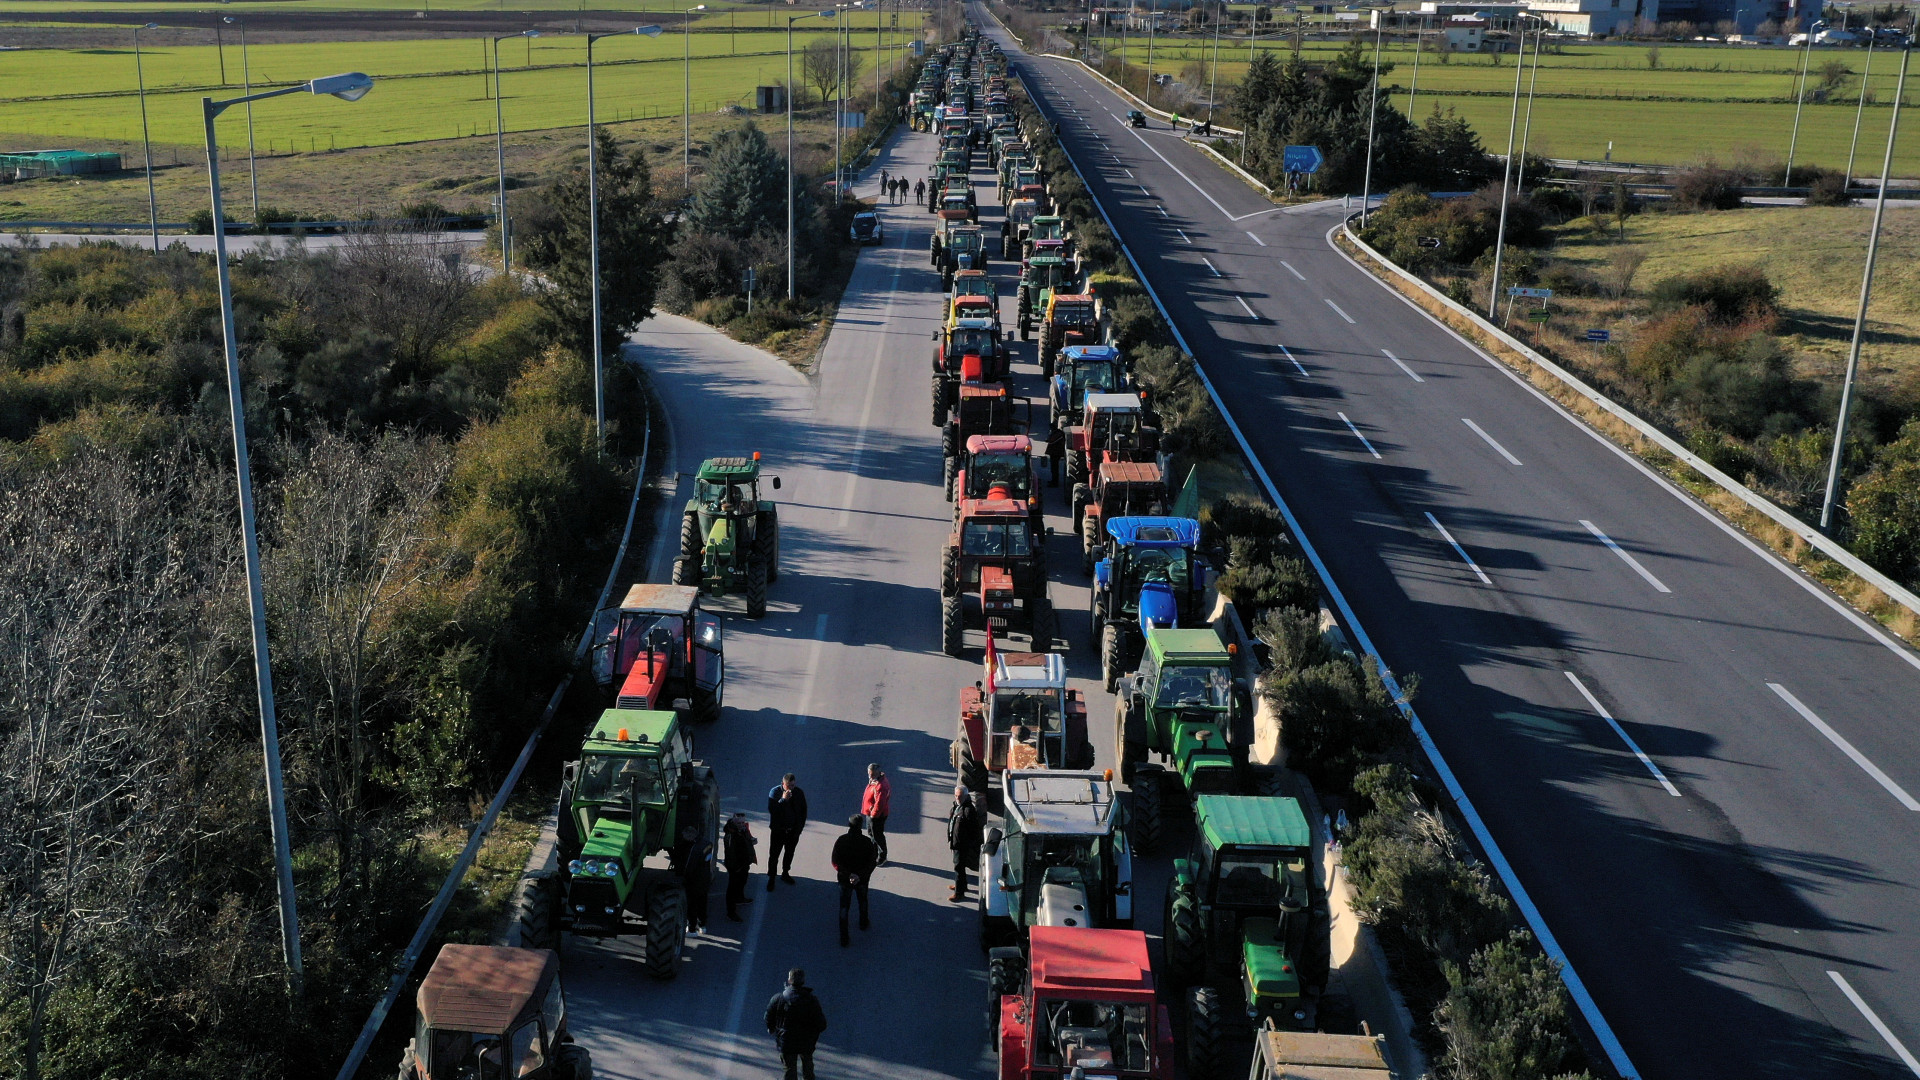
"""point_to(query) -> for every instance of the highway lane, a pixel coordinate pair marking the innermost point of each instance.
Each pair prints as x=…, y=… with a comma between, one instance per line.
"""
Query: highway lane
x=845, y=669
x=1534, y=576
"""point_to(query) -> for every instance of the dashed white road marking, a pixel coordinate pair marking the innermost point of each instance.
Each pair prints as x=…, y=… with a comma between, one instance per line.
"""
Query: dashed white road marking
x=1460, y=551
x=1846, y=747
x=1210, y=266
x=1256, y=239
x=1245, y=308
x=1356, y=434
x=1291, y=270
x=1622, y=732
x=1628, y=558
x=1294, y=362
x=1412, y=374
x=1337, y=311
x=1913, y=1064
x=1490, y=441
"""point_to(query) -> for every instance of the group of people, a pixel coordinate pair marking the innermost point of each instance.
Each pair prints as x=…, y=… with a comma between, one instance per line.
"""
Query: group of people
x=894, y=188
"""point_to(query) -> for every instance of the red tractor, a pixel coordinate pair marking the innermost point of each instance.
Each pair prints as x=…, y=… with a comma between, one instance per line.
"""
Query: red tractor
x=1070, y=319
x=659, y=650
x=1113, y=427
x=1025, y=717
x=982, y=409
x=1119, y=489
x=995, y=557
x=1080, y=1002
x=1001, y=467
x=965, y=351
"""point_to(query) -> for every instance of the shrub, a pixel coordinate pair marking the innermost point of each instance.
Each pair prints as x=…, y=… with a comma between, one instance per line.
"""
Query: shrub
x=1741, y=386
x=1292, y=638
x=1707, y=187
x=1334, y=717
x=1566, y=279
x=1729, y=294
x=1258, y=585
x=1508, y=1016
x=1884, y=507
x=1828, y=189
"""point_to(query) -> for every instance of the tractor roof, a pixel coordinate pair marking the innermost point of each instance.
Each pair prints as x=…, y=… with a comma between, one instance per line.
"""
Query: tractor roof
x=485, y=988
x=1048, y=218
x=980, y=390
x=643, y=727
x=1069, y=298
x=1140, y=473
x=1113, y=402
x=993, y=508
x=1046, y=260
x=972, y=322
x=1155, y=532
x=1252, y=821
x=661, y=599
x=999, y=444
x=1305, y=1055
x=1078, y=963
x=1028, y=670
x=1090, y=352
x=729, y=468
x=1060, y=802
x=1201, y=646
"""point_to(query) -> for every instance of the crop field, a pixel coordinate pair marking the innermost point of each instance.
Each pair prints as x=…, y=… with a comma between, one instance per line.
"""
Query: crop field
x=639, y=7
x=426, y=89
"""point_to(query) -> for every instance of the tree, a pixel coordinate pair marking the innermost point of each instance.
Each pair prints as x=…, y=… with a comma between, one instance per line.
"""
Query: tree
x=820, y=66
x=1508, y=1016
x=744, y=191
x=633, y=244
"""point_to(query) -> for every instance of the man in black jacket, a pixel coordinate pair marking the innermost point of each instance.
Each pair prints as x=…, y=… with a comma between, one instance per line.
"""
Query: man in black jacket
x=965, y=834
x=737, y=844
x=786, y=819
x=796, y=1020
x=854, y=858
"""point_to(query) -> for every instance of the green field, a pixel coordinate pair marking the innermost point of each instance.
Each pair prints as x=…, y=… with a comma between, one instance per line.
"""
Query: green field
x=657, y=7
x=410, y=102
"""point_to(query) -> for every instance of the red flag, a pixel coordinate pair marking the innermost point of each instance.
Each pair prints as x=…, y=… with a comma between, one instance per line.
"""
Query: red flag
x=990, y=658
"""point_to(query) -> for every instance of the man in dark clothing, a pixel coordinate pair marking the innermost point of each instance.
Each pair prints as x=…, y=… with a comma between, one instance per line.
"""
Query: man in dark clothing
x=737, y=846
x=966, y=830
x=796, y=1020
x=696, y=872
x=854, y=857
x=786, y=819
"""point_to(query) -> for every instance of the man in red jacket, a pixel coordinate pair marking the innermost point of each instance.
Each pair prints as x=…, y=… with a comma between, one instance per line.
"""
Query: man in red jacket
x=875, y=804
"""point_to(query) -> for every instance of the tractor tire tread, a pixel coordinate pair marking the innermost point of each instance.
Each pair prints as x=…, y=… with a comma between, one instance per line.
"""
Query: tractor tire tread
x=666, y=930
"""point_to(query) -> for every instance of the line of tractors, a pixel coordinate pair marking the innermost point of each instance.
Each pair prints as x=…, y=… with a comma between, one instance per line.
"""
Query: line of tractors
x=1072, y=985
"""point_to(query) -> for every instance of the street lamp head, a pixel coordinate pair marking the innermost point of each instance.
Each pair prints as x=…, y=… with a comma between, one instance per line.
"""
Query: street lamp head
x=349, y=87
x=648, y=31
x=529, y=33
x=150, y=26
x=228, y=19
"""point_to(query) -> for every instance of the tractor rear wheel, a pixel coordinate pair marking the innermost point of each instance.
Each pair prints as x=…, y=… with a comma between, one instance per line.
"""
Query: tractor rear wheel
x=1148, y=819
x=1089, y=540
x=1186, y=948
x=706, y=706
x=666, y=929
x=953, y=625
x=949, y=468
x=683, y=573
x=949, y=571
x=939, y=401
x=1112, y=657
x=690, y=535
x=1044, y=627
x=756, y=589
x=572, y=1062
x=1206, y=1025
x=766, y=542
x=949, y=442
x=539, y=903
x=1076, y=468
x=971, y=770
x=1082, y=495
x=1006, y=974
x=1128, y=748
x=1047, y=354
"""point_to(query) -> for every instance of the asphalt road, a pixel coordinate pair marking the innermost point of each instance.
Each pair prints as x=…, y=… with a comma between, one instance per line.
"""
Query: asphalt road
x=1700, y=766
x=844, y=670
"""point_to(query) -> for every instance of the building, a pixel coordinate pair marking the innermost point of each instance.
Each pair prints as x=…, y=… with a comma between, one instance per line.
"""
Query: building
x=1595, y=18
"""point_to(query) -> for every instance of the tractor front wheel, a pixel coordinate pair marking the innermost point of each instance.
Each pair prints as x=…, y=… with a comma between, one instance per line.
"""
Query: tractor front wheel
x=1206, y=1026
x=684, y=573
x=1112, y=658
x=756, y=589
x=690, y=536
x=949, y=470
x=666, y=929
x=1147, y=817
x=939, y=401
x=953, y=625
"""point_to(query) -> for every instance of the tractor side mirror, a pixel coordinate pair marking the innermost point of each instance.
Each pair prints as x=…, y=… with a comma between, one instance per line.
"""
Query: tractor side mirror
x=1123, y=888
x=776, y=483
x=992, y=841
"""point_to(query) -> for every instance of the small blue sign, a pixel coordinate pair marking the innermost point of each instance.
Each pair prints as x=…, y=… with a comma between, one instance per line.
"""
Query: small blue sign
x=1600, y=336
x=1302, y=159
x=1537, y=294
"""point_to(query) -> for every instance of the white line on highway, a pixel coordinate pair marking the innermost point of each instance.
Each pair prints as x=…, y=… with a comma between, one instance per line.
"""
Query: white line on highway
x=1183, y=235
x=1245, y=308
x=1337, y=311
x=813, y=668
x=1209, y=262
x=1626, y=557
x=1296, y=363
x=1846, y=747
x=1256, y=239
x=1356, y=434
x=1412, y=374
x=1129, y=172
x=1622, y=732
x=866, y=410
x=1147, y=193
x=1290, y=268
x=1913, y=1064
x=1462, y=552
x=737, y=1004
x=1163, y=211
x=1490, y=441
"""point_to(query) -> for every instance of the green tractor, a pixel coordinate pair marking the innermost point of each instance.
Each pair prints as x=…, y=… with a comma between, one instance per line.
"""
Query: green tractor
x=1182, y=705
x=1040, y=278
x=624, y=807
x=729, y=536
x=1247, y=918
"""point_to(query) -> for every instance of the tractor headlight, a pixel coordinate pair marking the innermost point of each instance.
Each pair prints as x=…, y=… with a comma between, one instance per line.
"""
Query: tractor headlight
x=575, y=867
x=590, y=868
x=610, y=868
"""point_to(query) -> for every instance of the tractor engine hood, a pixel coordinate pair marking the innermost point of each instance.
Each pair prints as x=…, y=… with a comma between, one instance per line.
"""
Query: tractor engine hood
x=1200, y=748
x=1272, y=980
x=610, y=839
x=720, y=537
x=1158, y=606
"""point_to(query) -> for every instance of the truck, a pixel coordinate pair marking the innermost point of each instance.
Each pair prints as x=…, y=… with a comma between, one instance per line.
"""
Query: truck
x=659, y=649
x=1062, y=860
x=1081, y=1003
x=1024, y=713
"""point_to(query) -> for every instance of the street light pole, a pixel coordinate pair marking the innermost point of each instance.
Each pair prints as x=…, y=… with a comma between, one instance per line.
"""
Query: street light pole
x=1866, y=291
x=686, y=101
x=1526, y=132
x=1800, y=102
x=1373, y=110
x=246, y=76
x=350, y=87
x=593, y=239
x=1858, y=111
x=1413, y=89
x=146, y=140
x=1506, y=177
x=790, y=21
x=500, y=153
x=1213, y=77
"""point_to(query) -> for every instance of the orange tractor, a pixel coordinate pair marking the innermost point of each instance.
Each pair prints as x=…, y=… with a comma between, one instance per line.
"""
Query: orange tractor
x=994, y=567
x=1000, y=467
x=1119, y=489
x=1113, y=427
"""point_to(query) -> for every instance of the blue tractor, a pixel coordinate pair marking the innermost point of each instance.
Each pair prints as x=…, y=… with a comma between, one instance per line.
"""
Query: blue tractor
x=1148, y=574
x=1083, y=370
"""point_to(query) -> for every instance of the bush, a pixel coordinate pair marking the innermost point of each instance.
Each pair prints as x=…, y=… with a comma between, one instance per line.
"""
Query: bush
x=1508, y=1016
x=1257, y=586
x=1884, y=508
x=1335, y=716
x=1707, y=187
x=1729, y=294
x=1828, y=189
x=1566, y=279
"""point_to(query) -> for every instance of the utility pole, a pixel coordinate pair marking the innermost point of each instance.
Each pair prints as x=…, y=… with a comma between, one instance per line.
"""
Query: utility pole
x=1373, y=110
x=1526, y=133
x=1419, y=39
x=1858, y=111
x=1513, y=126
x=1800, y=101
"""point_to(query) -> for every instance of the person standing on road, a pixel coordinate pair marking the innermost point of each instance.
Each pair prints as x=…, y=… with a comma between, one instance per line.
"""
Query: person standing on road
x=786, y=820
x=696, y=872
x=853, y=861
x=965, y=833
x=876, y=804
x=886, y=180
x=919, y=190
x=796, y=1021
x=736, y=845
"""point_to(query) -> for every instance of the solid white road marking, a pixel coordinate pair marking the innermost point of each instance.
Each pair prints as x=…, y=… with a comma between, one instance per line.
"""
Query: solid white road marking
x=1490, y=441
x=1458, y=550
x=1913, y=1064
x=1356, y=434
x=1296, y=363
x=1625, y=556
x=813, y=668
x=1209, y=262
x=1290, y=268
x=1245, y=308
x=737, y=1004
x=1183, y=235
x=1846, y=747
x=1337, y=311
x=1256, y=239
x=1622, y=732
x=1412, y=374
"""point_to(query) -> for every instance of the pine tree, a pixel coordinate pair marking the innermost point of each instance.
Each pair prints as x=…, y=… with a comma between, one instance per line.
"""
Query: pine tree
x=633, y=244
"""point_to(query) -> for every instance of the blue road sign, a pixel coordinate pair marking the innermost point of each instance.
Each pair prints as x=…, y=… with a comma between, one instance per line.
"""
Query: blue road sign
x=1600, y=336
x=1303, y=159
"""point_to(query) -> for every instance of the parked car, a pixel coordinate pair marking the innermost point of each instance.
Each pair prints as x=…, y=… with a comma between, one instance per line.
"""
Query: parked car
x=866, y=229
x=1136, y=118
